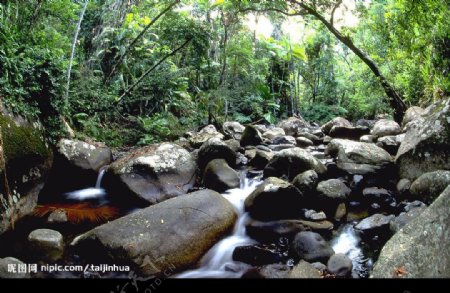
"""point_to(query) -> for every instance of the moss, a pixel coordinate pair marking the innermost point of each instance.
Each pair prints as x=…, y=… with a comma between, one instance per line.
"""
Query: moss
x=21, y=141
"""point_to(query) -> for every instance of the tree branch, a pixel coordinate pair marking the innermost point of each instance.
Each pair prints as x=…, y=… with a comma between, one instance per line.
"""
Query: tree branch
x=130, y=89
x=334, y=11
x=131, y=45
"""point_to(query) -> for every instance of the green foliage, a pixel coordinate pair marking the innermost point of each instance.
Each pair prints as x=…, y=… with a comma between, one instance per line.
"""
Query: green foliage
x=322, y=113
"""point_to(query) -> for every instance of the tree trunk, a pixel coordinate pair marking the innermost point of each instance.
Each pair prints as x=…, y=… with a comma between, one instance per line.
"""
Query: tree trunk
x=395, y=100
x=74, y=45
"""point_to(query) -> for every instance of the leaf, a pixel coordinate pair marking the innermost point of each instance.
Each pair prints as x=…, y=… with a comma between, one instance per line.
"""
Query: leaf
x=79, y=212
x=217, y=3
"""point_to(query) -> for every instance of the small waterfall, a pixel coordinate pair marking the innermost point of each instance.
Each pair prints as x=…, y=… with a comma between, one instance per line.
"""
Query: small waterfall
x=348, y=243
x=92, y=192
x=218, y=262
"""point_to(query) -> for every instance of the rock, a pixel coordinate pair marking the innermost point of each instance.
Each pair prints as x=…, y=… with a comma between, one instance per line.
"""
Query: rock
x=367, y=138
x=304, y=270
x=315, y=216
x=251, y=136
x=404, y=218
x=173, y=234
x=385, y=127
x=78, y=160
x=389, y=143
x=365, y=123
x=261, y=128
x=215, y=149
x=429, y=185
x=280, y=147
x=311, y=137
x=47, y=244
x=419, y=249
x=273, y=133
x=413, y=205
x=338, y=121
x=208, y=132
x=153, y=173
x=261, y=159
x=219, y=176
x=274, y=199
x=311, y=247
x=274, y=271
x=346, y=132
x=403, y=186
x=303, y=142
x=58, y=217
x=28, y=160
x=86, y=156
x=5, y=273
x=359, y=157
x=233, y=129
x=233, y=144
x=331, y=193
x=306, y=182
x=375, y=225
x=293, y=125
x=426, y=147
x=284, y=140
x=412, y=114
x=271, y=232
x=377, y=195
x=292, y=162
x=257, y=255
x=341, y=212
x=340, y=265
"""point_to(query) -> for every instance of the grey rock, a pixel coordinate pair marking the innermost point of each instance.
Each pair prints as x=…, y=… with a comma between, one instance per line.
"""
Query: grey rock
x=57, y=216
x=338, y=121
x=413, y=113
x=374, y=223
x=261, y=159
x=304, y=270
x=286, y=139
x=153, y=173
x=340, y=265
x=86, y=156
x=215, y=149
x=46, y=243
x=385, y=127
x=233, y=129
x=274, y=271
x=426, y=147
x=273, y=133
x=293, y=125
x=251, y=136
x=291, y=162
x=311, y=247
x=274, y=199
x=403, y=186
x=205, y=134
x=303, y=142
x=421, y=247
x=173, y=234
x=404, y=218
x=346, y=132
x=306, y=182
x=429, y=185
x=219, y=176
x=367, y=138
x=6, y=274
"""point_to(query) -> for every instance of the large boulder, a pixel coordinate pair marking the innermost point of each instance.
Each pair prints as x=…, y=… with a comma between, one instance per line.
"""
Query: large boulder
x=338, y=121
x=359, y=157
x=340, y=265
x=420, y=249
x=5, y=269
x=153, y=173
x=233, y=129
x=215, y=149
x=412, y=114
x=81, y=161
x=426, y=146
x=219, y=176
x=251, y=136
x=173, y=234
x=291, y=162
x=46, y=244
x=306, y=182
x=205, y=134
x=293, y=125
x=274, y=199
x=331, y=193
x=261, y=159
x=273, y=133
x=428, y=186
x=385, y=127
x=25, y=162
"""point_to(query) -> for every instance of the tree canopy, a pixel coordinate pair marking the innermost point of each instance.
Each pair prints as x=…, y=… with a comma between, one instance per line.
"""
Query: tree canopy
x=139, y=71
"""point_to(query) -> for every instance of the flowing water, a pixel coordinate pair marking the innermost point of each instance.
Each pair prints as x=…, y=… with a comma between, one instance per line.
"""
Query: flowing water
x=218, y=262
x=90, y=193
x=348, y=243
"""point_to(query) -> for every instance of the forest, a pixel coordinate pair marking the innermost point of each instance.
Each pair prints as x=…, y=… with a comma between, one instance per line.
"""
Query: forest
x=136, y=72
x=153, y=139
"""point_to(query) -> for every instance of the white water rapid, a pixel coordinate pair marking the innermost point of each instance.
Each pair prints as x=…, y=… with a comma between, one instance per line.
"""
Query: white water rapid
x=89, y=193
